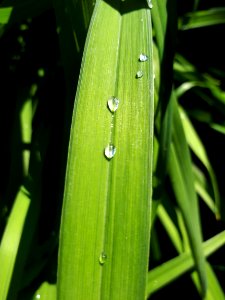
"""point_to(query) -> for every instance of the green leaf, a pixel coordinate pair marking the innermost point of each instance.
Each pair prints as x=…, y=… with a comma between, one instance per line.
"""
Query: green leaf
x=197, y=19
x=203, y=188
x=104, y=240
x=18, y=10
x=180, y=170
x=46, y=291
x=5, y=14
x=199, y=150
x=11, y=240
x=172, y=269
x=170, y=227
x=218, y=127
x=215, y=291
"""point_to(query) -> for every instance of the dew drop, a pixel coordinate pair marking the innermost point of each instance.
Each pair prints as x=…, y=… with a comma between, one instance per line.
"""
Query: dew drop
x=139, y=74
x=113, y=104
x=110, y=151
x=102, y=258
x=150, y=5
x=38, y=296
x=143, y=57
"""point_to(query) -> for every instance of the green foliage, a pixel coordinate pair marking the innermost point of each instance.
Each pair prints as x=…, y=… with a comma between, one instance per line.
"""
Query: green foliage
x=75, y=224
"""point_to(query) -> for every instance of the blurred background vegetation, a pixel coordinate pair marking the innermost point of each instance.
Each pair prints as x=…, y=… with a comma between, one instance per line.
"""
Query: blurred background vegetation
x=41, y=49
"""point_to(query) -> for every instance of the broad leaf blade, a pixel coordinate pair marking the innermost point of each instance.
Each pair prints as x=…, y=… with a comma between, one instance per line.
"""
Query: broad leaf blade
x=106, y=213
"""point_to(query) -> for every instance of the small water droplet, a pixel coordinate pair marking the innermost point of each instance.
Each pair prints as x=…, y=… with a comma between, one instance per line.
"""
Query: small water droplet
x=139, y=74
x=110, y=151
x=150, y=5
x=113, y=104
x=38, y=296
x=102, y=258
x=143, y=57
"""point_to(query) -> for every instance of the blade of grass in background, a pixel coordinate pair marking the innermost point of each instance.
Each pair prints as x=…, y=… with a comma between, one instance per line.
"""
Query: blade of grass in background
x=11, y=240
x=215, y=291
x=46, y=291
x=209, y=17
x=202, y=188
x=218, y=127
x=165, y=33
x=5, y=14
x=169, y=271
x=104, y=240
x=180, y=170
x=199, y=150
x=15, y=11
x=185, y=72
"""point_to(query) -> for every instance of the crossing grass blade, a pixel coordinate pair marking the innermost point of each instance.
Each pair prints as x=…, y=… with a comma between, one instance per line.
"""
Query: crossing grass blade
x=104, y=240
x=179, y=239
x=215, y=291
x=169, y=271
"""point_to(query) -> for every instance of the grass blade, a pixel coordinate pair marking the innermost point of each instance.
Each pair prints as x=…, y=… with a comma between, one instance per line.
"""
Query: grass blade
x=11, y=240
x=199, y=150
x=169, y=271
x=5, y=14
x=106, y=213
x=180, y=170
x=197, y=19
x=46, y=291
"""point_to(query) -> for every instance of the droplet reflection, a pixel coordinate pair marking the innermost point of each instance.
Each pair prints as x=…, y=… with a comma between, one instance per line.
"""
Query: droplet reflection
x=110, y=151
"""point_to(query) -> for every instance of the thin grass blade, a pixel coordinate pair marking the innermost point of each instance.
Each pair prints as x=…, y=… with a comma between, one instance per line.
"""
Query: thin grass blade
x=197, y=19
x=11, y=240
x=169, y=271
x=198, y=148
x=181, y=174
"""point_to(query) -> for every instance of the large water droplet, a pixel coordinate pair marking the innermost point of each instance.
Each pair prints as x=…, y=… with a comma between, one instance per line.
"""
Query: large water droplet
x=102, y=258
x=113, y=104
x=139, y=74
x=110, y=151
x=143, y=57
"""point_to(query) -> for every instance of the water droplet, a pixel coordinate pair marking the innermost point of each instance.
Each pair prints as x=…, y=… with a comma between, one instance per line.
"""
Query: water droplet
x=139, y=74
x=113, y=104
x=38, y=296
x=102, y=258
x=150, y=5
x=110, y=151
x=143, y=57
